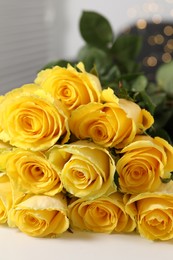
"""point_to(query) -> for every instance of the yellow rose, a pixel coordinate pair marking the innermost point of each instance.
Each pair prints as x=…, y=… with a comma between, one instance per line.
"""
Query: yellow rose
x=5, y=197
x=31, y=172
x=106, y=124
x=103, y=215
x=40, y=216
x=31, y=119
x=5, y=150
x=143, y=163
x=168, y=152
x=153, y=213
x=71, y=86
x=87, y=170
x=107, y=95
x=142, y=118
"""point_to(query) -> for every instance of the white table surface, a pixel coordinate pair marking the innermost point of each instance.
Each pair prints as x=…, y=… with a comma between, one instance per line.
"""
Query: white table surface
x=81, y=245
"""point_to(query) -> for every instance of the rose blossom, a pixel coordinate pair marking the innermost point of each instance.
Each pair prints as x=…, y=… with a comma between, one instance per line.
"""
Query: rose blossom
x=31, y=119
x=71, y=86
x=113, y=123
x=105, y=214
x=39, y=215
x=31, y=172
x=5, y=197
x=86, y=169
x=153, y=213
x=105, y=124
x=143, y=163
x=142, y=118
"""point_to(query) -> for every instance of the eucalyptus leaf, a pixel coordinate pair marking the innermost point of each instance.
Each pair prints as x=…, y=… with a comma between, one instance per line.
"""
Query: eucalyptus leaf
x=164, y=77
x=95, y=29
x=158, y=98
x=140, y=84
x=152, y=88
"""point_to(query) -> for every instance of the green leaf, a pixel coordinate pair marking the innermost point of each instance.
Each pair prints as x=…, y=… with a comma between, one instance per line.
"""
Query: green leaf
x=161, y=133
x=168, y=127
x=162, y=118
x=158, y=99
x=129, y=76
x=121, y=90
x=147, y=102
x=164, y=77
x=116, y=180
x=111, y=76
x=126, y=47
x=140, y=84
x=166, y=180
x=91, y=56
x=95, y=29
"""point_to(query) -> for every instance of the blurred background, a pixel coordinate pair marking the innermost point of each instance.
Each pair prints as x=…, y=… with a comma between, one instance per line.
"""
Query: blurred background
x=35, y=32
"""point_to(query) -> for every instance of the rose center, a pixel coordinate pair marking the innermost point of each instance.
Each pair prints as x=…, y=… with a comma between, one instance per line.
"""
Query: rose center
x=137, y=173
x=66, y=92
x=79, y=177
x=157, y=219
x=98, y=132
x=37, y=173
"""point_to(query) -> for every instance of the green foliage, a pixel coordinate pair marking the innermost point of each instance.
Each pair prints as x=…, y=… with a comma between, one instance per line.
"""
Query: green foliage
x=140, y=84
x=164, y=77
x=166, y=180
x=96, y=30
x=91, y=55
x=113, y=59
x=104, y=48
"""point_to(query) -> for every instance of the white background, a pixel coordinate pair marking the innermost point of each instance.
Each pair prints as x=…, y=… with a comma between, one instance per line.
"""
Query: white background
x=81, y=246
x=34, y=32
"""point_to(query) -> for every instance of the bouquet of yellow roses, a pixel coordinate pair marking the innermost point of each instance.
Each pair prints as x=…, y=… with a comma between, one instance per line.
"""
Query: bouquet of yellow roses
x=74, y=156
